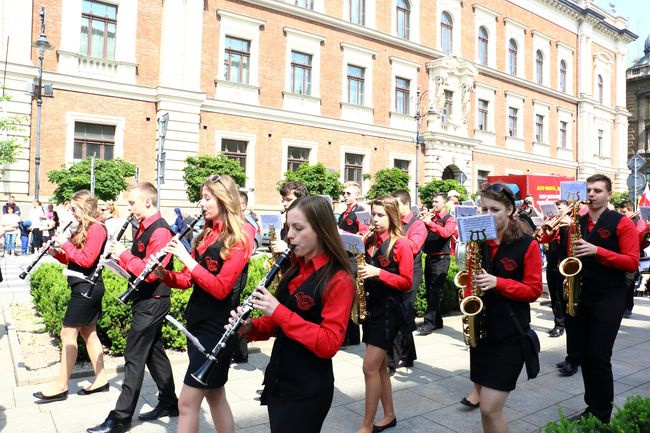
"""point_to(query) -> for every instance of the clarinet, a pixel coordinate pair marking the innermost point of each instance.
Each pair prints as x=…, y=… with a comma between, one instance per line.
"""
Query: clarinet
x=125, y=297
x=203, y=373
x=98, y=270
x=48, y=245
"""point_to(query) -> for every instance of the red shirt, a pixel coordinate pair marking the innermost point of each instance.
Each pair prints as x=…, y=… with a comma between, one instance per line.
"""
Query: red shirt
x=403, y=255
x=158, y=240
x=628, y=242
x=88, y=253
x=220, y=285
x=530, y=287
x=361, y=227
x=445, y=231
x=416, y=233
x=323, y=339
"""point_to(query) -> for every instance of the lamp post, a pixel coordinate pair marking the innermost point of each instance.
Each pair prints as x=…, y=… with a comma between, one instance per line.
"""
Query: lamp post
x=419, y=115
x=41, y=45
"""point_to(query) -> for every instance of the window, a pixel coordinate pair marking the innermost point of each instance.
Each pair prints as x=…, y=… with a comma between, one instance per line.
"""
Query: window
x=482, y=46
x=355, y=84
x=237, y=60
x=353, y=167
x=448, y=107
x=403, y=16
x=300, y=73
x=235, y=149
x=482, y=115
x=402, y=92
x=403, y=165
x=98, y=25
x=482, y=177
x=512, y=57
x=563, y=137
x=600, y=89
x=296, y=156
x=91, y=139
x=358, y=11
x=539, y=128
x=563, y=76
x=539, y=67
x=446, y=32
x=600, y=142
x=307, y=4
x=512, y=122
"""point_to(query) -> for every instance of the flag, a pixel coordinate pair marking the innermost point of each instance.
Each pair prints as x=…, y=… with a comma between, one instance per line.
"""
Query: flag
x=645, y=197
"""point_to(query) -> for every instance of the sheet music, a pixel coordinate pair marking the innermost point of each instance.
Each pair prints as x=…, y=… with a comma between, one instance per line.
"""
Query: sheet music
x=268, y=219
x=480, y=227
x=352, y=243
x=112, y=266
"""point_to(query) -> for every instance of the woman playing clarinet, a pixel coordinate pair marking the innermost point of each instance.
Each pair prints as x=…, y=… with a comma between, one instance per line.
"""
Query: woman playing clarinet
x=214, y=269
x=308, y=318
x=511, y=278
x=388, y=273
x=80, y=253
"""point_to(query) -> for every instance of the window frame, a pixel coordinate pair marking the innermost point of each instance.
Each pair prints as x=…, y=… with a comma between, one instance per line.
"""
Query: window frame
x=513, y=118
x=564, y=127
x=101, y=143
x=403, y=94
x=539, y=67
x=512, y=57
x=106, y=21
x=307, y=73
x=483, y=114
x=236, y=156
x=307, y=4
x=563, y=75
x=360, y=6
x=299, y=162
x=360, y=89
x=446, y=32
x=403, y=13
x=355, y=167
x=539, y=128
x=482, y=45
x=600, y=82
x=229, y=52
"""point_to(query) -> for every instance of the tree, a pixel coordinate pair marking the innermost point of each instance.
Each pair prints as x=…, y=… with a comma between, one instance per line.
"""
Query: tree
x=619, y=197
x=317, y=178
x=442, y=186
x=9, y=144
x=386, y=181
x=110, y=178
x=199, y=168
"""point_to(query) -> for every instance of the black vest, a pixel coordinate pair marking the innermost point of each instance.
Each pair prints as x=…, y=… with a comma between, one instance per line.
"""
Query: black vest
x=379, y=294
x=507, y=263
x=436, y=243
x=295, y=372
x=557, y=249
x=349, y=223
x=202, y=306
x=417, y=259
x=156, y=288
x=596, y=277
x=78, y=284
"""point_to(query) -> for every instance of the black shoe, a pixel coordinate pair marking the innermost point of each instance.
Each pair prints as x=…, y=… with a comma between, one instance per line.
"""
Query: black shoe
x=378, y=428
x=561, y=364
x=580, y=416
x=50, y=398
x=558, y=331
x=391, y=371
x=627, y=314
x=159, y=412
x=465, y=402
x=425, y=329
x=103, y=388
x=111, y=426
x=569, y=369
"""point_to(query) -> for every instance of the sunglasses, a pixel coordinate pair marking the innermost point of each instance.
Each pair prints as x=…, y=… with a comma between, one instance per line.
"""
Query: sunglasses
x=347, y=193
x=499, y=188
x=217, y=178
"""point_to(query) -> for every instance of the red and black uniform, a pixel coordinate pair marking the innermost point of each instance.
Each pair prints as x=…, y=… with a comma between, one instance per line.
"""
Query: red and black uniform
x=602, y=302
x=394, y=256
x=632, y=277
x=437, y=247
x=82, y=311
x=216, y=285
x=404, y=347
x=498, y=359
x=309, y=326
x=150, y=305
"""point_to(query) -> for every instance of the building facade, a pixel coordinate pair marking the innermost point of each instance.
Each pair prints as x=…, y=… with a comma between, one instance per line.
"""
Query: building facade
x=440, y=89
x=638, y=103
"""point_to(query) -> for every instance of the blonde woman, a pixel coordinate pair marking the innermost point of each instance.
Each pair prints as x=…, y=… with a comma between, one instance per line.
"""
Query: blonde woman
x=80, y=253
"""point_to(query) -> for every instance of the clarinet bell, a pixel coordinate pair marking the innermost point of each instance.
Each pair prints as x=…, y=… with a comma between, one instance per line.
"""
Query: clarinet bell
x=125, y=297
x=23, y=275
x=203, y=373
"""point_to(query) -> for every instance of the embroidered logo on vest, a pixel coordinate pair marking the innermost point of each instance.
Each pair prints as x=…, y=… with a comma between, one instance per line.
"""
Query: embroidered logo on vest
x=212, y=264
x=140, y=246
x=603, y=233
x=348, y=221
x=304, y=302
x=383, y=261
x=509, y=264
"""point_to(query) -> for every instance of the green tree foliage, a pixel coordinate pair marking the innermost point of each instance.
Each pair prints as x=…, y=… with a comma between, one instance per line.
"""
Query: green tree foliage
x=110, y=179
x=620, y=197
x=199, y=168
x=386, y=181
x=444, y=186
x=9, y=124
x=317, y=178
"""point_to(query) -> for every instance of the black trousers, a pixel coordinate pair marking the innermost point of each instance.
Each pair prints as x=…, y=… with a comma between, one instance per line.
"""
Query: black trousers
x=404, y=345
x=630, y=281
x=555, y=282
x=144, y=347
x=598, y=321
x=436, y=268
x=304, y=416
x=353, y=331
x=572, y=340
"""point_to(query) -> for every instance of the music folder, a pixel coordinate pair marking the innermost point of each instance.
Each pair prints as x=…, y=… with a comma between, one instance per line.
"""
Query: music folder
x=112, y=266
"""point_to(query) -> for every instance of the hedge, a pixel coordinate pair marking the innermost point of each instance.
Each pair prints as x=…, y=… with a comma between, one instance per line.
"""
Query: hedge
x=634, y=417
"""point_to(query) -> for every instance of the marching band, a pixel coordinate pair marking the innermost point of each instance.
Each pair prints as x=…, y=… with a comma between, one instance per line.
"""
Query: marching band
x=592, y=263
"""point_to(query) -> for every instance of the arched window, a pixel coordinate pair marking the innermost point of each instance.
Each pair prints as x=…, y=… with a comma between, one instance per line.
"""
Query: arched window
x=482, y=46
x=403, y=16
x=539, y=67
x=562, y=76
x=446, y=32
x=600, y=88
x=512, y=57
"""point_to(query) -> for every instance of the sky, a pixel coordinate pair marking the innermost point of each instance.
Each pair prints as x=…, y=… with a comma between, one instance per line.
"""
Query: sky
x=637, y=13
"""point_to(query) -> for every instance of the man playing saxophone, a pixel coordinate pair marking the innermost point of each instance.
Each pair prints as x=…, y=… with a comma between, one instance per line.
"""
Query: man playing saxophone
x=609, y=247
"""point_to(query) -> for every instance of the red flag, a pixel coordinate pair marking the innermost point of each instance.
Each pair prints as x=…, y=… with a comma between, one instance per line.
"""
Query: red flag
x=645, y=197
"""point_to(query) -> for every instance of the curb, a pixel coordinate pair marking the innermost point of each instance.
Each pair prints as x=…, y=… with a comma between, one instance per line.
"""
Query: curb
x=17, y=360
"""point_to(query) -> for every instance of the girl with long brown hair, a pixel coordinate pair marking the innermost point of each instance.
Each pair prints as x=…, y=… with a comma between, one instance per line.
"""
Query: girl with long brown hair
x=81, y=254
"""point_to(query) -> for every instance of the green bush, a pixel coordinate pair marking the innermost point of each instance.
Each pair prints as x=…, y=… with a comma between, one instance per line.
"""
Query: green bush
x=449, y=294
x=634, y=417
x=256, y=271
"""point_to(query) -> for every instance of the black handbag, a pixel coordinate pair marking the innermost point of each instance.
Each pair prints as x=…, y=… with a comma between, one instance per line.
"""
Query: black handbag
x=530, y=345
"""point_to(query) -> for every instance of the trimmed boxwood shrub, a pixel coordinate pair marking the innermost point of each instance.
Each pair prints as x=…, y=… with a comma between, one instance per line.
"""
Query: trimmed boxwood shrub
x=449, y=294
x=634, y=417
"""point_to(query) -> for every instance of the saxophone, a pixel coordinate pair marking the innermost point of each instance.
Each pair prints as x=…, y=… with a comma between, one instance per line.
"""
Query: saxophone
x=571, y=266
x=471, y=305
x=359, y=309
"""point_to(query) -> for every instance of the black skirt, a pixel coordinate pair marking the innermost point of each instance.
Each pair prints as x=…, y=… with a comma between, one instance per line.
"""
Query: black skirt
x=381, y=330
x=208, y=334
x=496, y=366
x=83, y=311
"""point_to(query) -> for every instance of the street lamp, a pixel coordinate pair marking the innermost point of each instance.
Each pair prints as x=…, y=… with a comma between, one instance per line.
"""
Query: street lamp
x=419, y=138
x=41, y=45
